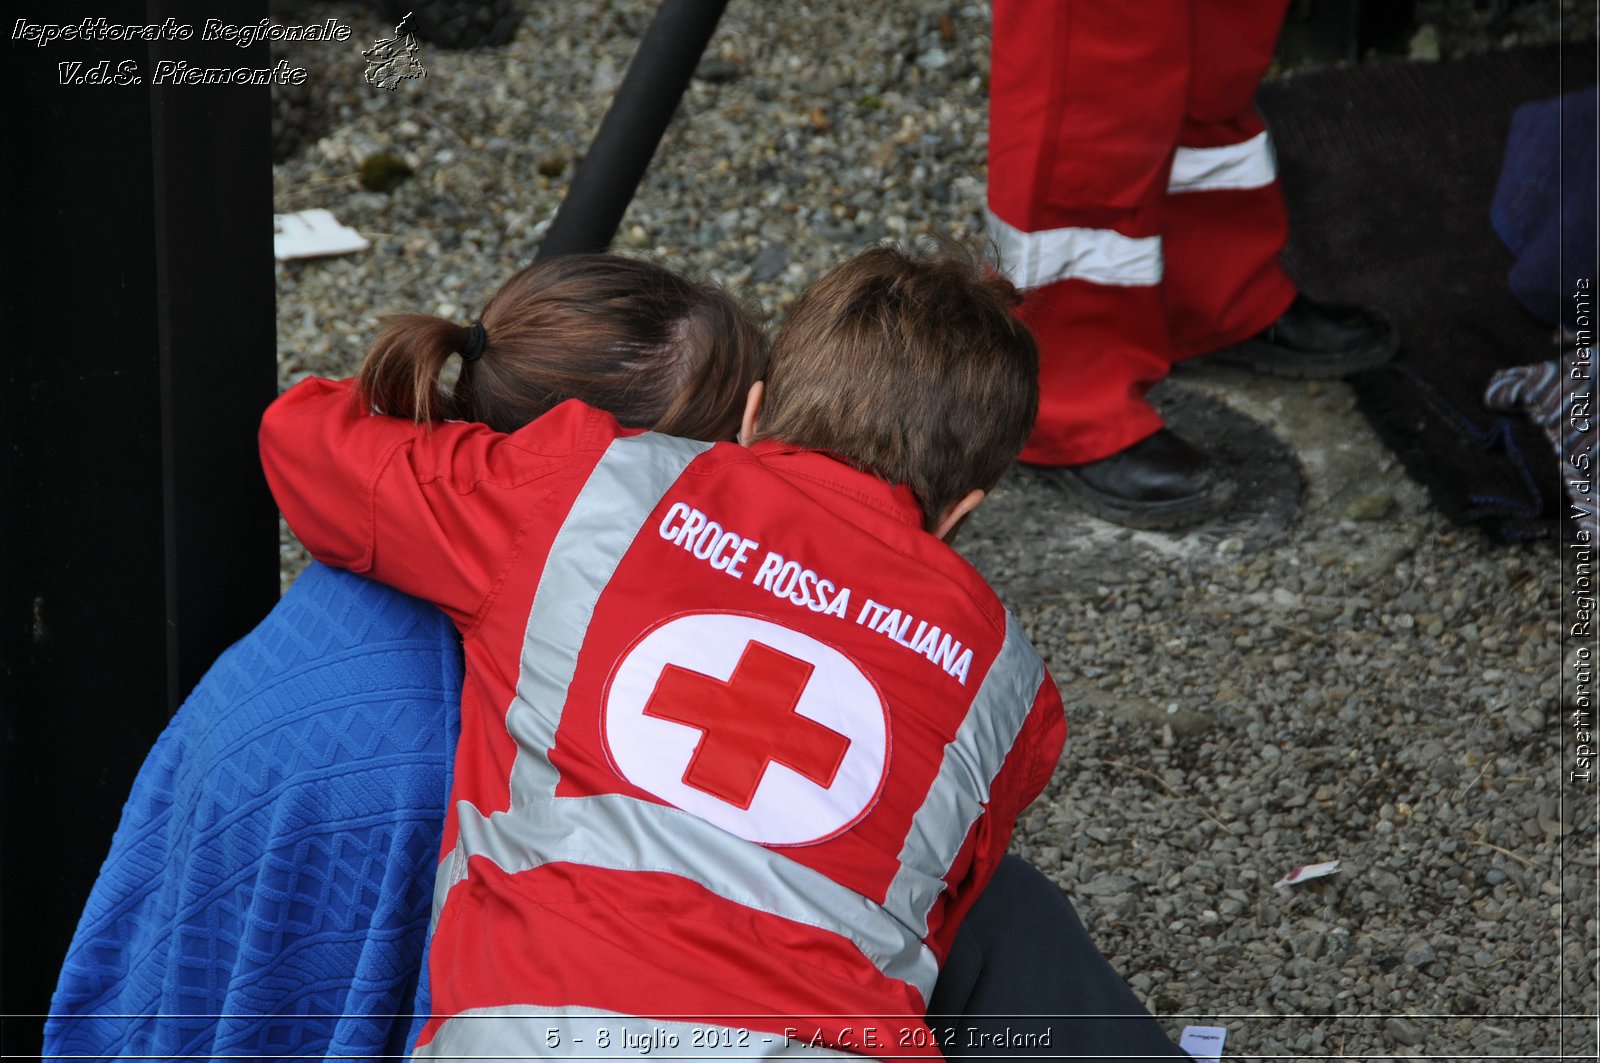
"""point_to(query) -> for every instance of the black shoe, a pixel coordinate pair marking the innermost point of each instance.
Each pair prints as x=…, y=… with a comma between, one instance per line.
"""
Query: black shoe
x=1158, y=483
x=1315, y=339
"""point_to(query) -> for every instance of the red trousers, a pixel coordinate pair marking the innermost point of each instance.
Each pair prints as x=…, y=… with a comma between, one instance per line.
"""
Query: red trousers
x=1133, y=194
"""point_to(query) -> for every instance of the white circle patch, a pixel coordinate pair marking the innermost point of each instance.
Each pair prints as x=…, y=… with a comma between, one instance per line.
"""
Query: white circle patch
x=765, y=732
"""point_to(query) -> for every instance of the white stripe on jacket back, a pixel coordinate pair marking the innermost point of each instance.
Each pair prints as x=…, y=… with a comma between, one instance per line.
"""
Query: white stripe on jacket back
x=971, y=762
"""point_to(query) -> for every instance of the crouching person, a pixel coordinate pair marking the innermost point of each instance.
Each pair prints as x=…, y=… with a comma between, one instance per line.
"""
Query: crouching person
x=742, y=737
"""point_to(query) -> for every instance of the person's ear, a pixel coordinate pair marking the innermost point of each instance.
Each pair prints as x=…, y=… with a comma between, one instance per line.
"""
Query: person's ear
x=752, y=409
x=952, y=517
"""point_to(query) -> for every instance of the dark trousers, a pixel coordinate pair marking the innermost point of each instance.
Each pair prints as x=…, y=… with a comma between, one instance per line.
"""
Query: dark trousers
x=1024, y=981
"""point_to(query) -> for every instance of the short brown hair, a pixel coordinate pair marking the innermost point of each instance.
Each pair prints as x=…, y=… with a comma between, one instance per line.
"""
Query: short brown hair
x=911, y=365
x=624, y=335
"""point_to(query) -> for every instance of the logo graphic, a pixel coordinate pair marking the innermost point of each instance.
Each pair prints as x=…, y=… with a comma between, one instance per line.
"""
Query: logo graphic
x=392, y=60
x=765, y=732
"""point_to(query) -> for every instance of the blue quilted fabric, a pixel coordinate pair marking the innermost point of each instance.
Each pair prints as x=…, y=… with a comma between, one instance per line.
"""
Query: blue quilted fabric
x=268, y=889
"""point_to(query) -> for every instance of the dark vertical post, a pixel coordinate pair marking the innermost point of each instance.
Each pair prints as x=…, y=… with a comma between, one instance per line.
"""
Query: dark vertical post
x=604, y=183
x=136, y=540
x=217, y=318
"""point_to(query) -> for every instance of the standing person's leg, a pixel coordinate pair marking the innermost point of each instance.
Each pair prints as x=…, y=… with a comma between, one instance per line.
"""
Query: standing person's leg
x=1086, y=100
x=1226, y=223
x=1025, y=981
x=1225, y=218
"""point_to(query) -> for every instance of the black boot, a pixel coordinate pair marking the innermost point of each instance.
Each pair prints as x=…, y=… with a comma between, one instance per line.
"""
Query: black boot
x=1314, y=339
x=1159, y=483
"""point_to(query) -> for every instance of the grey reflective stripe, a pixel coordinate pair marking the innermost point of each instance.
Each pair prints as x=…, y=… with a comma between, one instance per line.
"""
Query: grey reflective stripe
x=452, y=869
x=1247, y=164
x=1100, y=256
x=961, y=789
x=530, y=1032
x=626, y=834
x=632, y=476
x=444, y=876
x=625, y=485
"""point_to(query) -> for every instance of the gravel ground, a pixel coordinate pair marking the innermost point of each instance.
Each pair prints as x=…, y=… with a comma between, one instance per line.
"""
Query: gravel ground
x=1341, y=677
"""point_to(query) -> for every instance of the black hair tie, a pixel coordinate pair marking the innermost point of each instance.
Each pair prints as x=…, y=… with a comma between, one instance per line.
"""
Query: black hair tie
x=477, y=340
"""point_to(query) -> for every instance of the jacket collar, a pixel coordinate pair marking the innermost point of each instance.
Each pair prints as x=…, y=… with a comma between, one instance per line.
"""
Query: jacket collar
x=840, y=475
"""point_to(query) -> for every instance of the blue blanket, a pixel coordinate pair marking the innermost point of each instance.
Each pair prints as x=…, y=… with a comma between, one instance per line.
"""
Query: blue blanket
x=274, y=863
x=1544, y=206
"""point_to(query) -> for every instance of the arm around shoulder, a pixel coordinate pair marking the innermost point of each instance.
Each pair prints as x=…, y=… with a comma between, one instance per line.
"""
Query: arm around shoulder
x=431, y=509
x=413, y=506
x=320, y=467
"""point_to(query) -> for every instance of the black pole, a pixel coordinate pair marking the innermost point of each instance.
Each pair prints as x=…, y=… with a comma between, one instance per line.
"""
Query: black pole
x=605, y=182
x=137, y=537
x=217, y=320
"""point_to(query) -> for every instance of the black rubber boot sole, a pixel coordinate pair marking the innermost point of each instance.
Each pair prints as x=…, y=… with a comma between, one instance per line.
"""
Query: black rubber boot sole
x=1169, y=515
x=1265, y=357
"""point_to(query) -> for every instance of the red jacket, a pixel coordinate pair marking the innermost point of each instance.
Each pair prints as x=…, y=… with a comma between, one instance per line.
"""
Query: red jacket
x=740, y=741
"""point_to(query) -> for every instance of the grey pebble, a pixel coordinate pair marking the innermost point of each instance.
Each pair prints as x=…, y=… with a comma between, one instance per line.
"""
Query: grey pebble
x=1420, y=954
x=769, y=263
x=1402, y=1031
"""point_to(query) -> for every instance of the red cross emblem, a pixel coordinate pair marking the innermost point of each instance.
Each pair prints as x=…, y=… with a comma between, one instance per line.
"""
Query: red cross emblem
x=762, y=730
x=748, y=722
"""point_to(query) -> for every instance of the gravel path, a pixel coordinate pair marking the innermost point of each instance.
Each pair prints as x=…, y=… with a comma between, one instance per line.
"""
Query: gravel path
x=1339, y=675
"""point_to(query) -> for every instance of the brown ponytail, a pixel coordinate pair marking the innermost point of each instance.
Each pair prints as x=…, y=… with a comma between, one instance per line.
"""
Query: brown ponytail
x=623, y=335
x=400, y=376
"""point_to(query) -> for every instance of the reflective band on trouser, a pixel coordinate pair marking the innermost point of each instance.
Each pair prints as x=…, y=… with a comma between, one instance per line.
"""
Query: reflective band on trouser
x=525, y=1031
x=1247, y=164
x=625, y=834
x=961, y=789
x=1101, y=256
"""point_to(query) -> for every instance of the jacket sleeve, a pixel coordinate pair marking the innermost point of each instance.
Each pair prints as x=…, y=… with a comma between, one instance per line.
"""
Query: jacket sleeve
x=1047, y=738
x=1026, y=772
x=432, y=510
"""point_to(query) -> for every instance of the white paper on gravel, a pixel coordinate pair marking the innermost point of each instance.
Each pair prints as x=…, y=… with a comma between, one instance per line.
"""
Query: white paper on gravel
x=1204, y=1042
x=312, y=234
x=1308, y=872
